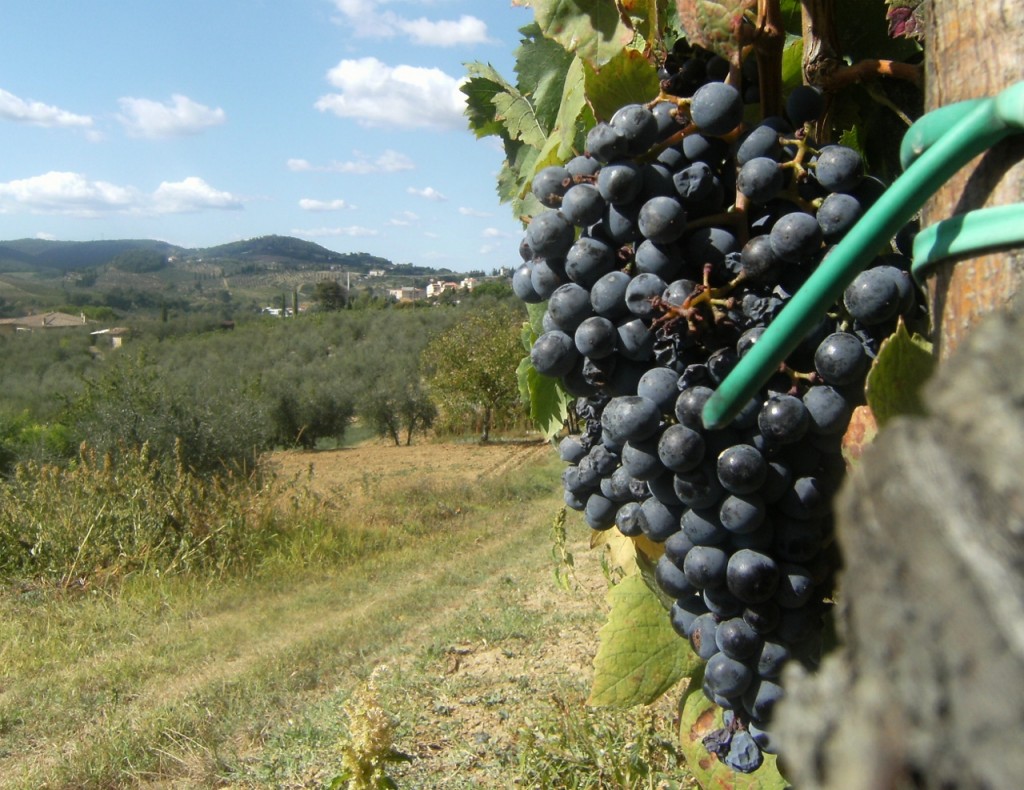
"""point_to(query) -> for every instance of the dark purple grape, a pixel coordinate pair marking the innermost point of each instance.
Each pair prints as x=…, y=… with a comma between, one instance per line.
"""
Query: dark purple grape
x=759, y=261
x=874, y=297
x=744, y=753
x=760, y=179
x=640, y=459
x=547, y=276
x=742, y=514
x=550, y=184
x=738, y=640
x=839, y=168
x=828, y=409
x=671, y=578
x=596, y=337
x=605, y=143
x=583, y=205
x=699, y=488
x=582, y=166
x=741, y=469
x=752, y=577
x=522, y=285
x=588, y=260
x=726, y=676
x=638, y=125
x=836, y=215
x=795, y=586
x=568, y=306
x=640, y=291
x=795, y=237
x=662, y=220
x=702, y=636
x=840, y=359
x=599, y=513
x=628, y=518
x=658, y=520
x=681, y=449
x=804, y=104
x=716, y=108
x=690, y=405
x=620, y=183
x=636, y=341
x=571, y=450
x=762, y=140
x=684, y=612
x=702, y=527
x=608, y=295
x=630, y=418
x=659, y=384
x=550, y=234
x=553, y=354
x=783, y=419
x=695, y=183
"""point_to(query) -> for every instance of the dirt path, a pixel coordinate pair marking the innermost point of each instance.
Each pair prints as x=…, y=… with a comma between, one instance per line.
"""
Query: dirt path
x=441, y=622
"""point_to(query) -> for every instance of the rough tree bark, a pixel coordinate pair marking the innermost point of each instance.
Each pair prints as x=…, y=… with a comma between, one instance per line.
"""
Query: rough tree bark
x=974, y=49
x=927, y=687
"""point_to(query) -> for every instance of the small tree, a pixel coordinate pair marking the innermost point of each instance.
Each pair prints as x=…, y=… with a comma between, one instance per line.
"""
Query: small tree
x=472, y=366
x=330, y=295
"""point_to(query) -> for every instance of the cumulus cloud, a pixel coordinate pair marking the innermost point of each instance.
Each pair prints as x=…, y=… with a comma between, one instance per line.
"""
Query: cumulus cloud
x=309, y=204
x=61, y=192
x=388, y=161
x=366, y=19
x=375, y=94
x=36, y=113
x=494, y=233
x=351, y=230
x=467, y=211
x=180, y=116
x=428, y=193
x=192, y=194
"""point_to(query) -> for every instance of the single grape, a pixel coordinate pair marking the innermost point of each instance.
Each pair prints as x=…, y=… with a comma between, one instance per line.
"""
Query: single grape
x=761, y=141
x=608, y=295
x=550, y=234
x=738, y=640
x=783, y=419
x=744, y=753
x=722, y=603
x=659, y=384
x=681, y=449
x=663, y=260
x=636, y=341
x=836, y=215
x=751, y=576
x=671, y=578
x=760, y=179
x=699, y=488
x=840, y=359
x=804, y=104
x=595, y=337
x=662, y=220
x=658, y=520
x=628, y=518
x=874, y=296
x=795, y=586
x=605, y=143
x=726, y=676
x=630, y=418
x=547, y=276
x=828, y=409
x=637, y=124
x=599, y=513
x=620, y=183
x=741, y=469
x=684, y=612
x=568, y=306
x=570, y=450
x=742, y=514
x=795, y=237
x=839, y=168
x=583, y=205
x=702, y=527
x=771, y=658
x=759, y=261
x=695, y=183
x=588, y=260
x=640, y=459
x=522, y=285
x=550, y=184
x=640, y=291
x=553, y=354
x=702, y=636
x=716, y=108
x=690, y=405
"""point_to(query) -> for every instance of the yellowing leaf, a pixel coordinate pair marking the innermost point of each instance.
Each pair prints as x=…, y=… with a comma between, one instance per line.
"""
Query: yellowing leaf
x=697, y=717
x=640, y=656
x=593, y=29
x=628, y=78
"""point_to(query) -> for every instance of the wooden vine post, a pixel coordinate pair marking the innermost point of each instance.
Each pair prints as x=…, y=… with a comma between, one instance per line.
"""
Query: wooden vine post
x=974, y=50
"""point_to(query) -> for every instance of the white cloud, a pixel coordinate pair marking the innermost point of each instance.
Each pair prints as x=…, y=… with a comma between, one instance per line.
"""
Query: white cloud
x=352, y=230
x=365, y=18
x=14, y=108
x=180, y=116
x=404, y=219
x=60, y=192
x=466, y=211
x=192, y=194
x=44, y=236
x=428, y=193
x=445, y=33
x=494, y=233
x=388, y=161
x=309, y=204
x=63, y=192
x=375, y=94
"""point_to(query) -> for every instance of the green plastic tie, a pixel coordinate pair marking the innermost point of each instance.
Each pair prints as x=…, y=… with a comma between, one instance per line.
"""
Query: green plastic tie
x=936, y=156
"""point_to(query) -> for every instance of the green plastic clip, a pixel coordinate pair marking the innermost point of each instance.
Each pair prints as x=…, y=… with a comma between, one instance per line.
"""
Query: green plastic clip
x=934, y=148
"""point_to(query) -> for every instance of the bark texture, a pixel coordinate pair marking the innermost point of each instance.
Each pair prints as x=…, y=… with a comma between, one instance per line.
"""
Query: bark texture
x=974, y=49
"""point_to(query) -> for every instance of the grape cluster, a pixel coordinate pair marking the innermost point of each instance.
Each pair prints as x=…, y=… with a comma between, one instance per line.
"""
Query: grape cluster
x=662, y=254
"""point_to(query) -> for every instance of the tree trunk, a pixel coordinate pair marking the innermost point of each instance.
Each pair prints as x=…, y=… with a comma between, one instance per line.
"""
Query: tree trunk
x=974, y=50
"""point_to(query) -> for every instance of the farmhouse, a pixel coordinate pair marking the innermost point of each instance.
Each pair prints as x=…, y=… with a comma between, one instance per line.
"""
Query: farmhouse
x=29, y=323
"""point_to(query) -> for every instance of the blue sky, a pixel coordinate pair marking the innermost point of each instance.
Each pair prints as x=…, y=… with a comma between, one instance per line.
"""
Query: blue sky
x=201, y=122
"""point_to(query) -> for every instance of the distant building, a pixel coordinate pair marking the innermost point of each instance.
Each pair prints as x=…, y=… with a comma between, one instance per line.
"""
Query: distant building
x=437, y=287
x=376, y=273
x=407, y=294
x=116, y=335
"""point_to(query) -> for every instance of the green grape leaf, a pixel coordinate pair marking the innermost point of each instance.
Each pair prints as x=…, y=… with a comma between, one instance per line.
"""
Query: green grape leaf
x=714, y=24
x=481, y=86
x=697, y=717
x=647, y=16
x=903, y=364
x=516, y=112
x=792, y=63
x=627, y=78
x=593, y=29
x=547, y=401
x=640, y=656
x=542, y=66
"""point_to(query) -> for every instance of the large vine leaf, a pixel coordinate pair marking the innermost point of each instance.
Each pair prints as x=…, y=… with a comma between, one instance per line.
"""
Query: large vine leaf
x=542, y=66
x=698, y=716
x=547, y=402
x=714, y=24
x=903, y=364
x=593, y=29
x=627, y=78
x=640, y=656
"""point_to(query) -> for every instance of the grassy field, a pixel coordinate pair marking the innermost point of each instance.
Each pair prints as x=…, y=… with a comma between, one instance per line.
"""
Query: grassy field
x=414, y=608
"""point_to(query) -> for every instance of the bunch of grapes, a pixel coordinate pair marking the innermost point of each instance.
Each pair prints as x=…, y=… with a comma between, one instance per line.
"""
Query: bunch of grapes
x=662, y=254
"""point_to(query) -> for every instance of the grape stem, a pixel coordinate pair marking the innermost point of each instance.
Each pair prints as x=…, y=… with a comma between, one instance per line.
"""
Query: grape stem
x=704, y=297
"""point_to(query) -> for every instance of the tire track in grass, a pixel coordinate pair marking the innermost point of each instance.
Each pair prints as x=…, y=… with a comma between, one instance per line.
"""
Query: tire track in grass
x=298, y=626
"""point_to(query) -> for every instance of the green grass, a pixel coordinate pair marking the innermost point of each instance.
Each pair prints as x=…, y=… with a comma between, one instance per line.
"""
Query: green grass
x=246, y=677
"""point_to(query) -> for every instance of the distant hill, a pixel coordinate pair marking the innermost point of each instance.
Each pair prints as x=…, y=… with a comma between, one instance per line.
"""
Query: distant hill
x=277, y=252
x=62, y=256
